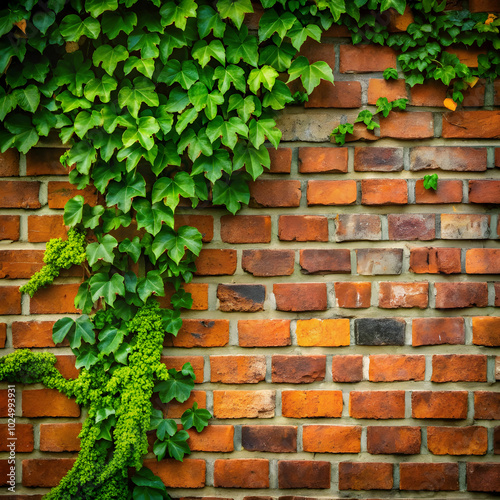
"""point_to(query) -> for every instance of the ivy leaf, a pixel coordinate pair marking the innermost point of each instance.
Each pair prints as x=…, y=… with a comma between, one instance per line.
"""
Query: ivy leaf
x=170, y=190
x=175, y=243
x=25, y=134
x=122, y=193
x=445, y=74
x=74, y=72
x=73, y=211
x=143, y=91
x=166, y=427
x=299, y=34
x=181, y=299
x=178, y=14
x=186, y=74
x=104, y=172
x=107, y=143
x=152, y=217
x=177, y=387
x=144, y=66
x=82, y=155
x=167, y=155
x=103, y=413
x=132, y=155
x=177, y=446
x=69, y=102
x=85, y=121
x=399, y=5
x=231, y=194
x=75, y=330
x=208, y=20
x=131, y=248
x=185, y=119
x=170, y=40
x=390, y=73
x=241, y=45
x=272, y=22
x=260, y=129
x=147, y=43
x=110, y=339
x=45, y=121
x=227, y=130
x=235, y=10
x=195, y=417
x=97, y=7
x=28, y=98
x=91, y=216
x=122, y=353
x=277, y=56
x=61, y=328
x=37, y=71
x=244, y=107
x=102, y=286
x=83, y=299
x=431, y=181
x=114, y=22
x=231, y=75
x=310, y=74
x=7, y=103
x=203, y=52
x=109, y=57
x=147, y=127
x=213, y=165
x=148, y=486
x=279, y=96
x=86, y=358
x=337, y=7
x=254, y=159
x=102, y=251
x=151, y=284
x=72, y=27
x=266, y=76
x=196, y=144
x=101, y=88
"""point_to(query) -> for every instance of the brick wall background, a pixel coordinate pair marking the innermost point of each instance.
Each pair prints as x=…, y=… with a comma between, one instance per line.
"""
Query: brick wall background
x=345, y=325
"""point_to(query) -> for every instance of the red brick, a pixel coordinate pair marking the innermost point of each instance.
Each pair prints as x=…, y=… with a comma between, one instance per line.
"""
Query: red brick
x=275, y=193
x=447, y=192
x=216, y=262
x=482, y=261
x=458, y=159
x=322, y=160
x=464, y=226
x=175, y=409
x=4, y=403
x=298, y=369
x=204, y=224
x=268, y=262
x=177, y=362
x=439, y=404
x=331, y=438
x=428, y=477
x=366, y=58
x=393, y=295
x=379, y=261
x=45, y=473
x=496, y=440
x=9, y=163
x=20, y=263
x=264, y=332
x=245, y=228
x=303, y=228
x=241, y=297
x=60, y=192
x=198, y=291
x=405, y=125
x=412, y=226
x=399, y=22
x=479, y=124
x=455, y=295
x=244, y=404
x=269, y=438
x=484, y=6
x=353, y=295
x=311, y=404
x=45, y=161
x=384, y=192
x=309, y=474
x=33, y=334
x=48, y=403
x=377, y=404
x=431, y=93
x=348, y=368
x=237, y=369
x=323, y=332
x=358, y=227
x=3, y=334
x=466, y=55
x=487, y=405
x=402, y=440
x=339, y=95
x=458, y=368
x=435, y=260
x=325, y=261
x=496, y=287
x=457, y=440
x=202, y=333
x=300, y=296
x=281, y=160
x=486, y=331
x=365, y=476
x=22, y=434
x=391, y=89
x=42, y=228
x=360, y=133
x=436, y=331
x=338, y=31
x=213, y=438
x=331, y=192
x=483, y=477
x=9, y=227
x=10, y=300
x=392, y=368
x=60, y=437
x=65, y=364
x=315, y=52
x=374, y=159
x=484, y=191
x=55, y=299
x=187, y=474
x=19, y=194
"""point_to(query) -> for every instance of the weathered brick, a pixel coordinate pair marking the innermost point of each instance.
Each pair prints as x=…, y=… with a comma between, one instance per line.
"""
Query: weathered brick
x=458, y=368
x=281, y=160
x=378, y=159
x=428, y=477
x=358, y=227
x=248, y=298
x=298, y=369
x=42, y=228
x=268, y=262
x=391, y=89
x=353, y=295
x=331, y=438
x=204, y=224
x=325, y=261
x=303, y=474
x=392, y=368
x=33, y=334
x=377, y=404
x=264, y=332
x=270, y=438
x=59, y=192
x=60, y=437
x=213, y=438
x=484, y=191
x=412, y=227
x=244, y=404
x=198, y=291
x=45, y=161
x=465, y=226
x=245, y=228
x=323, y=332
x=10, y=300
x=311, y=404
x=19, y=194
x=20, y=263
x=457, y=295
x=9, y=227
x=348, y=368
x=202, y=333
x=303, y=228
x=241, y=473
x=331, y=192
x=439, y=404
x=384, y=192
x=483, y=477
x=455, y=158
x=487, y=405
x=401, y=440
x=275, y=193
x=300, y=296
x=48, y=403
x=426, y=260
x=447, y=192
x=486, y=331
x=405, y=125
x=431, y=93
x=322, y=160
x=435, y=331
x=9, y=163
x=457, y=440
x=216, y=262
x=366, y=58
x=479, y=124
x=22, y=434
x=365, y=476
x=55, y=299
x=177, y=362
x=393, y=295
x=341, y=95
x=45, y=473
x=379, y=261
x=237, y=369
x=175, y=409
x=187, y=474
x=380, y=331
x=482, y=261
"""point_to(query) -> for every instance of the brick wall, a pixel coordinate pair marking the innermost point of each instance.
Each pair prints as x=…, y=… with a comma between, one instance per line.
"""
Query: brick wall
x=345, y=325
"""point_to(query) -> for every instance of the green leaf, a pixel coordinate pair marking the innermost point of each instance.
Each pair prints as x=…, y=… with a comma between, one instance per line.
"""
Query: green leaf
x=103, y=414
x=445, y=74
x=74, y=72
x=152, y=217
x=83, y=299
x=390, y=73
x=146, y=479
x=72, y=27
x=44, y=122
x=235, y=10
x=28, y=98
x=147, y=127
x=166, y=427
x=271, y=22
x=151, y=284
x=167, y=155
x=195, y=417
x=122, y=193
x=97, y=7
x=299, y=34
x=278, y=56
x=91, y=216
x=144, y=66
x=208, y=20
x=241, y=45
x=61, y=329
x=203, y=52
x=69, y=102
x=143, y=91
x=25, y=134
x=84, y=330
x=244, y=107
x=185, y=73
x=82, y=155
x=227, y=130
x=169, y=190
x=178, y=387
x=102, y=286
x=122, y=353
x=110, y=339
x=7, y=103
x=147, y=43
x=73, y=211
x=175, y=243
x=114, y=22
x=431, y=181
x=85, y=121
x=103, y=173
x=102, y=251
x=178, y=14
x=109, y=57
x=213, y=165
x=231, y=75
x=196, y=144
x=253, y=159
x=185, y=118
x=131, y=248
x=337, y=7
x=310, y=74
x=266, y=76
x=279, y=97
x=231, y=195
x=399, y=5
x=86, y=358
x=100, y=88
x=170, y=40
x=177, y=446
x=260, y=129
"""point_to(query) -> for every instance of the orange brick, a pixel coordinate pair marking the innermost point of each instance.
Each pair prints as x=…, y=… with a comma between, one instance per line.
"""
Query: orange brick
x=213, y=438
x=365, y=476
x=33, y=334
x=467, y=56
x=353, y=295
x=9, y=163
x=348, y=368
x=459, y=368
x=244, y=404
x=3, y=334
x=45, y=473
x=237, y=369
x=455, y=295
x=9, y=227
x=215, y=262
x=487, y=405
x=190, y=473
x=275, y=193
x=393, y=295
x=264, y=332
x=202, y=333
x=482, y=261
x=366, y=58
x=23, y=435
x=428, y=477
x=271, y=438
x=66, y=366
x=402, y=440
x=48, y=403
x=198, y=291
x=435, y=260
x=177, y=362
x=331, y=438
x=323, y=332
x=377, y=404
x=439, y=404
x=457, y=440
x=45, y=161
x=392, y=368
x=204, y=224
x=303, y=228
x=339, y=95
x=281, y=160
x=471, y=124
x=60, y=437
x=435, y=331
x=295, y=474
x=447, y=192
x=322, y=160
x=331, y=192
x=241, y=473
x=384, y=192
x=300, y=296
x=19, y=194
x=311, y=404
x=484, y=191
x=175, y=409
x=405, y=125
x=60, y=192
x=245, y=228
x=55, y=299
x=486, y=331
x=20, y=263
x=302, y=369
x=392, y=89
x=378, y=159
x=10, y=300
